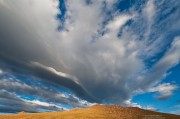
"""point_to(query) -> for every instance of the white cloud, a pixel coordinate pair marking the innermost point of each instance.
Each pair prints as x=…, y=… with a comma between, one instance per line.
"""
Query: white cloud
x=45, y=104
x=150, y=107
x=50, y=69
x=172, y=57
x=1, y=72
x=117, y=23
x=149, y=10
x=149, y=13
x=165, y=90
x=153, y=76
x=39, y=103
x=129, y=103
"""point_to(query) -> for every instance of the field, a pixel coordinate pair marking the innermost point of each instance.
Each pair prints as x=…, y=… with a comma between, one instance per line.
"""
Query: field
x=96, y=112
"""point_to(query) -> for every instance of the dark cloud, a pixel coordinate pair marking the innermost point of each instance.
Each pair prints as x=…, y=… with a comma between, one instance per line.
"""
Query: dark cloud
x=12, y=104
x=19, y=87
x=46, y=75
x=164, y=97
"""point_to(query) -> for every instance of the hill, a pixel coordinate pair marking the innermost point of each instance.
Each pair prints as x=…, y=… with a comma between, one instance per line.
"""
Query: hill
x=96, y=112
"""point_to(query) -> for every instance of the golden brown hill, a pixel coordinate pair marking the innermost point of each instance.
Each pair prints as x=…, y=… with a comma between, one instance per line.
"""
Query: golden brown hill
x=97, y=112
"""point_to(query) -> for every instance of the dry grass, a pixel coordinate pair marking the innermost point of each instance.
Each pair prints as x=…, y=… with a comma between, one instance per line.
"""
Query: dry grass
x=96, y=112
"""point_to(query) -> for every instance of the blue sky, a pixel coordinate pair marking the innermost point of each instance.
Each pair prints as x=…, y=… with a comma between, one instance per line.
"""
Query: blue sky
x=60, y=54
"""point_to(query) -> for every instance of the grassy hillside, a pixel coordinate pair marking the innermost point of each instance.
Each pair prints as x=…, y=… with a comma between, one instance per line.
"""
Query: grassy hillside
x=96, y=112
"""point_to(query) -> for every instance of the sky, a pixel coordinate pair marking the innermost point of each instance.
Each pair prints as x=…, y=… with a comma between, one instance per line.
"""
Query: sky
x=57, y=55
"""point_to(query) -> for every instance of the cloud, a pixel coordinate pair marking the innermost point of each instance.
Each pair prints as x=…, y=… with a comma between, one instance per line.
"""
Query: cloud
x=1, y=72
x=149, y=10
x=165, y=90
x=170, y=59
x=50, y=69
x=87, y=56
x=117, y=23
x=149, y=107
x=18, y=87
x=44, y=104
x=10, y=99
x=176, y=109
x=129, y=103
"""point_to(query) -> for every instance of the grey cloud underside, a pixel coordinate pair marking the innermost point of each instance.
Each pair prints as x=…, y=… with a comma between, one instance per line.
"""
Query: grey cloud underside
x=47, y=76
x=45, y=93
x=164, y=97
x=110, y=69
x=13, y=104
x=11, y=88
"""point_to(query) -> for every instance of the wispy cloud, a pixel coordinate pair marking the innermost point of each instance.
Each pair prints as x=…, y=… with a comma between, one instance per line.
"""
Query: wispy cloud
x=165, y=90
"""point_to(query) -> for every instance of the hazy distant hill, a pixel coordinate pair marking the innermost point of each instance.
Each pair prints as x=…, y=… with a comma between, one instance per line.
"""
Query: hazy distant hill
x=96, y=112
